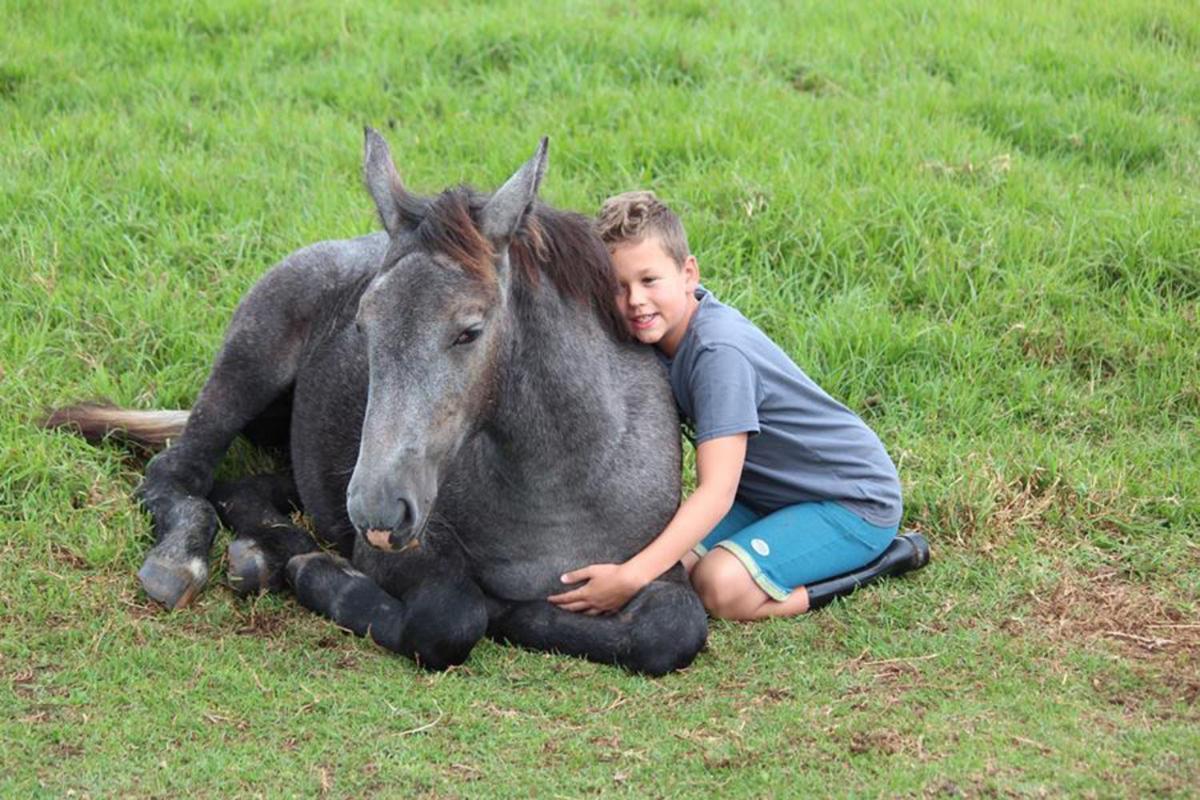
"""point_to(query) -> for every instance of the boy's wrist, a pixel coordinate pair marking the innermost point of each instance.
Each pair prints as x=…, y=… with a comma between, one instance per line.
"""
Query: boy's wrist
x=637, y=573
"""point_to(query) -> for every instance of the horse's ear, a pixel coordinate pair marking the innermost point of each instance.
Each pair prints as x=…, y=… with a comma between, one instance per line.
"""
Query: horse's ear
x=504, y=211
x=383, y=182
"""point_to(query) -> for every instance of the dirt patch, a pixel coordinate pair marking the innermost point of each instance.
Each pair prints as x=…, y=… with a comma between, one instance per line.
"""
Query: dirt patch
x=68, y=558
x=264, y=624
x=1151, y=696
x=1105, y=607
x=888, y=670
x=1154, y=642
x=27, y=681
x=463, y=772
x=885, y=683
x=888, y=742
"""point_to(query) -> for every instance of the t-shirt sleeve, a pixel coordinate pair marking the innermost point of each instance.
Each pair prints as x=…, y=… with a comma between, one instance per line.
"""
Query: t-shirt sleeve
x=724, y=390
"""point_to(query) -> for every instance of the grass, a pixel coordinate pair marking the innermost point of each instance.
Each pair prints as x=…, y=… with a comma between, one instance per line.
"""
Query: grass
x=976, y=224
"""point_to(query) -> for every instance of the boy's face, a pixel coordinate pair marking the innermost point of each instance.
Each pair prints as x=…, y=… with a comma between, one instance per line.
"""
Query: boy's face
x=657, y=296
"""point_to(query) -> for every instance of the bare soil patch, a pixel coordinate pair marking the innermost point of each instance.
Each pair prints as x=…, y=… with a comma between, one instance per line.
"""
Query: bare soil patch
x=1154, y=640
x=1103, y=606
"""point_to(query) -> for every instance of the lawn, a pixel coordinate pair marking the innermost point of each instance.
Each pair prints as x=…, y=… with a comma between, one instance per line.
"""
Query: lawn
x=977, y=224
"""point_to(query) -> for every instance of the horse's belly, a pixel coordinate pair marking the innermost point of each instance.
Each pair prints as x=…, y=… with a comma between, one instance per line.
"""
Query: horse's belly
x=521, y=533
x=535, y=578
x=525, y=560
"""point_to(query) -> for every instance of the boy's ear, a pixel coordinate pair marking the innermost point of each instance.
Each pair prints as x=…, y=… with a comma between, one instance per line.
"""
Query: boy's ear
x=691, y=273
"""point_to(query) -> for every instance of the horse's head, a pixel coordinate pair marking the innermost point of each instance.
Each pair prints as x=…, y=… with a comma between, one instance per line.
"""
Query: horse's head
x=434, y=321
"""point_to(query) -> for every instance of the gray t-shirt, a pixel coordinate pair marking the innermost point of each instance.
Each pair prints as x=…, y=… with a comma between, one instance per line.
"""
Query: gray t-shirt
x=804, y=446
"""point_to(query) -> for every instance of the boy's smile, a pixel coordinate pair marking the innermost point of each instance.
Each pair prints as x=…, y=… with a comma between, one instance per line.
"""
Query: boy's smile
x=658, y=296
x=643, y=322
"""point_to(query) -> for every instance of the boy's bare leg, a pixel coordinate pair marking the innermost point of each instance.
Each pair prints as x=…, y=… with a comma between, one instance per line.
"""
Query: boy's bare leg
x=729, y=592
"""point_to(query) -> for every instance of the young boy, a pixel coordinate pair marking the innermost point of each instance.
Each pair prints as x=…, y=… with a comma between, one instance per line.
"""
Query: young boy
x=793, y=488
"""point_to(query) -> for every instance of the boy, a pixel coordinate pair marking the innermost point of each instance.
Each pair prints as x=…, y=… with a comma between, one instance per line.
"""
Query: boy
x=792, y=487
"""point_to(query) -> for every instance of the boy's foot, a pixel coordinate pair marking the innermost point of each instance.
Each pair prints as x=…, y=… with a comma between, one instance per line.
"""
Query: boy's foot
x=920, y=545
x=907, y=552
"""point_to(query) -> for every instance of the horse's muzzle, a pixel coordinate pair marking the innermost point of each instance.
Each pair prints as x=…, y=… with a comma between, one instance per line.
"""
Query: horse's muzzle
x=389, y=541
x=389, y=507
x=382, y=512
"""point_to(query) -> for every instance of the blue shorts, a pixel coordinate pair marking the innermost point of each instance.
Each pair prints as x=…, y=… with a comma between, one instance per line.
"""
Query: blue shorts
x=798, y=545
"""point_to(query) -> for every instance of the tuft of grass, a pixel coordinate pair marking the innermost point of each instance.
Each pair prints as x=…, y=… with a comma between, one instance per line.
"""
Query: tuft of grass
x=977, y=227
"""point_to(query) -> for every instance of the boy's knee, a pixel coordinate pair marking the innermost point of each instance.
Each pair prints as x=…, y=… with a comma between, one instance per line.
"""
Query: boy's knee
x=726, y=587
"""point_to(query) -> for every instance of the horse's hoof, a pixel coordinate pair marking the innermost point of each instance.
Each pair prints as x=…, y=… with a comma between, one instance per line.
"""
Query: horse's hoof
x=250, y=570
x=173, y=585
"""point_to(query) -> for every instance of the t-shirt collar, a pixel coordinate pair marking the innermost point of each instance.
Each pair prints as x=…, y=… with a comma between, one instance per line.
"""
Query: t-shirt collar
x=704, y=297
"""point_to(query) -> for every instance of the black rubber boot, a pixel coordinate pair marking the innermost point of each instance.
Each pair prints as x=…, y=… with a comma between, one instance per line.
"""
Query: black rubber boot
x=907, y=552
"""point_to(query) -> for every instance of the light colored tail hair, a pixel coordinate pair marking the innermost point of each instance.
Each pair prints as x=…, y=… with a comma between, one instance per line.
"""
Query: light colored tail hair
x=99, y=421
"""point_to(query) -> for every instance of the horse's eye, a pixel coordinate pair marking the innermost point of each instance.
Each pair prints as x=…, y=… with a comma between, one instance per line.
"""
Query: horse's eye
x=469, y=335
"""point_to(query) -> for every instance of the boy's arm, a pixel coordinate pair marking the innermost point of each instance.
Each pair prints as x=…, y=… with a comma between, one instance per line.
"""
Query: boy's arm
x=609, y=586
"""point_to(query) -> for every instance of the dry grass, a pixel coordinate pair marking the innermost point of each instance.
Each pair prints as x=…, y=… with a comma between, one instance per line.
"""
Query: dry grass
x=1149, y=642
x=1103, y=608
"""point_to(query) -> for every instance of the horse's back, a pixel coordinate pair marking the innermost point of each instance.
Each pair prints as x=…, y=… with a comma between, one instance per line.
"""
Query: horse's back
x=304, y=285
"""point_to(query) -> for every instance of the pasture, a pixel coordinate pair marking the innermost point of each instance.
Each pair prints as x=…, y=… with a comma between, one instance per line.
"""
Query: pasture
x=978, y=225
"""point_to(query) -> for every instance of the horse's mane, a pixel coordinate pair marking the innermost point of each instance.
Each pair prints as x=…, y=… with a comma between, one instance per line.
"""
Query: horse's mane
x=559, y=245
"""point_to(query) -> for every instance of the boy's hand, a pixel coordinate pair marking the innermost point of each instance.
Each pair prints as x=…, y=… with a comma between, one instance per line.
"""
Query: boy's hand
x=607, y=588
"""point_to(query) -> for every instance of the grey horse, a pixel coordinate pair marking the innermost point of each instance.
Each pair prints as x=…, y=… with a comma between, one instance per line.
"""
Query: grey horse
x=466, y=419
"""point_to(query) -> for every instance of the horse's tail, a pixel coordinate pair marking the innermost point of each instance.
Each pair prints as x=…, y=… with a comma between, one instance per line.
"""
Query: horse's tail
x=98, y=421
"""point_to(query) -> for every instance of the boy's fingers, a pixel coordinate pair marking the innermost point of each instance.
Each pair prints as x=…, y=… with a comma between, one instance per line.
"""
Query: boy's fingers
x=578, y=606
x=575, y=576
x=566, y=597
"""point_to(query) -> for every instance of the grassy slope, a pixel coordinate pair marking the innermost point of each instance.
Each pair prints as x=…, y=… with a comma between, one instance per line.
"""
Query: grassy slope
x=978, y=228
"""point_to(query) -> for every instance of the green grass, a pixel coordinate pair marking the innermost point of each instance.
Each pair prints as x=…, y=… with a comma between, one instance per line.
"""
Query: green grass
x=977, y=224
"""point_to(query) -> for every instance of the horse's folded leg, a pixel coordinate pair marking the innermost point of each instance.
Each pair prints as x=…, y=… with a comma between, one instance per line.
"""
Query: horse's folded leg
x=266, y=537
x=170, y=582
x=661, y=630
x=176, y=568
x=436, y=623
x=258, y=564
x=252, y=569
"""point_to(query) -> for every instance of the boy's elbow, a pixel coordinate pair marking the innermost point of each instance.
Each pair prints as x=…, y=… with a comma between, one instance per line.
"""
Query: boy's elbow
x=719, y=491
x=722, y=496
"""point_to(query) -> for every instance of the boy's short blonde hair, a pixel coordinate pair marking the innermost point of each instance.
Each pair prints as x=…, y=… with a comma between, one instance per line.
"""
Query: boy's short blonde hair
x=630, y=217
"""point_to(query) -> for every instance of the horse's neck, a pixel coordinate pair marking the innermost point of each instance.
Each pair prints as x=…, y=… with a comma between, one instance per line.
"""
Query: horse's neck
x=557, y=392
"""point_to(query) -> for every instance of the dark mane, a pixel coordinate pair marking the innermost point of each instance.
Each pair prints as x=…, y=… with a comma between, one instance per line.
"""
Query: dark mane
x=448, y=224
x=560, y=245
